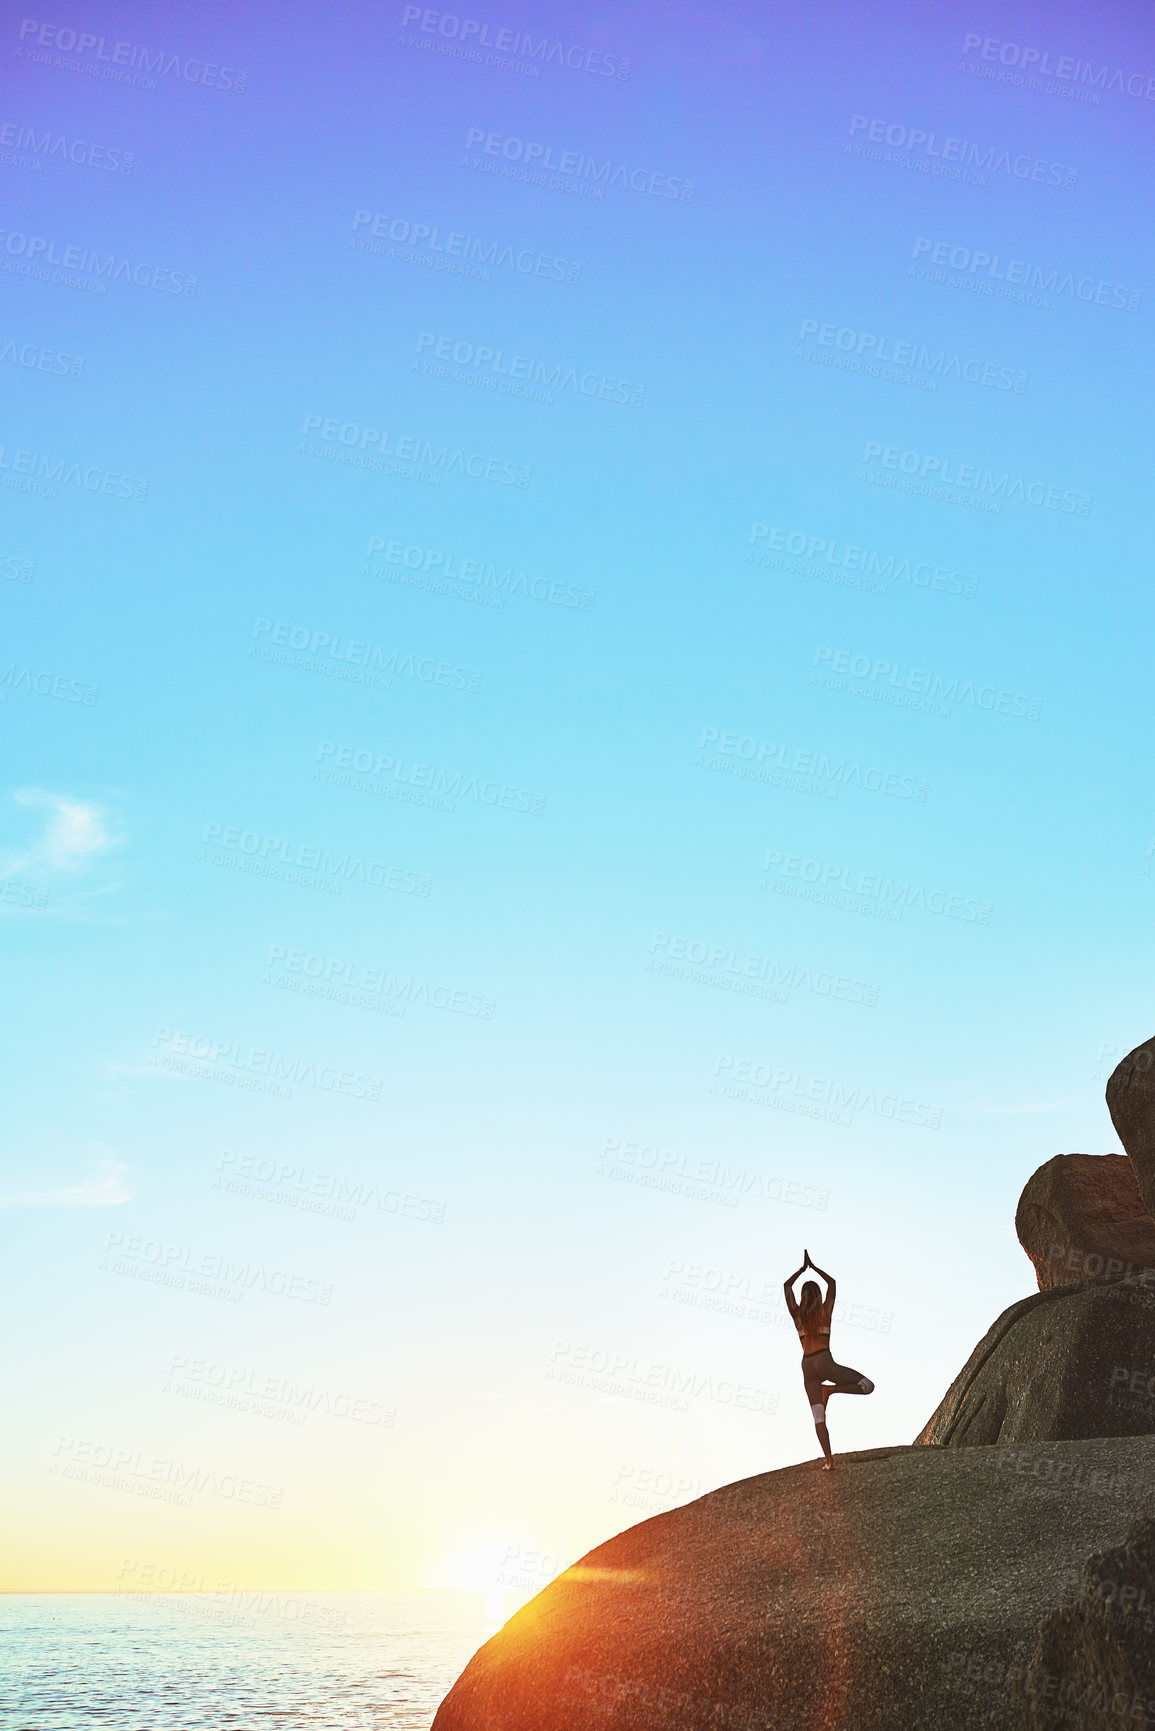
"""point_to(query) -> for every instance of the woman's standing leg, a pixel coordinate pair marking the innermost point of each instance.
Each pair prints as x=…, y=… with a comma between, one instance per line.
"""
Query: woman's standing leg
x=816, y=1395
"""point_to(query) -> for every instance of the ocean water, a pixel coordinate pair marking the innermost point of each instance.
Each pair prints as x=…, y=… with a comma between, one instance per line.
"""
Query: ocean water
x=232, y=1662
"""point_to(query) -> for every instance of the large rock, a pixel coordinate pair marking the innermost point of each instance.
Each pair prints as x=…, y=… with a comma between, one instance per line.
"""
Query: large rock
x=1082, y=1217
x=1131, y=1103
x=1068, y=1362
x=922, y=1587
x=1095, y=1660
x=902, y=1592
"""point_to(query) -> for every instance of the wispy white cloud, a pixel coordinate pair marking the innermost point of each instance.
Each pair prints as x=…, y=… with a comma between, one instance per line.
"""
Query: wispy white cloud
x=75, y=832
x=63, y=867
x=104, y=1189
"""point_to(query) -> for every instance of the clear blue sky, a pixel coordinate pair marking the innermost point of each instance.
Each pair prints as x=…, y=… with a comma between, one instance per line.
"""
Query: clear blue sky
x=577, y=670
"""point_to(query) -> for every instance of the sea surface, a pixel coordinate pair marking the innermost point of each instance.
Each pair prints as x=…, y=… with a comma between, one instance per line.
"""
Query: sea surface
x=232, y=1662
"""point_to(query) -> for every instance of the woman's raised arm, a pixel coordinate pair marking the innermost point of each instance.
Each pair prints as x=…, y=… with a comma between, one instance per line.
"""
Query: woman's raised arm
x=831, y=1284
x=791, y=1301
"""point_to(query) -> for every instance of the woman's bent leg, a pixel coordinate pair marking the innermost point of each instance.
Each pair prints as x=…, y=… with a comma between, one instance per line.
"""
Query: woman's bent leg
x=847, y=1381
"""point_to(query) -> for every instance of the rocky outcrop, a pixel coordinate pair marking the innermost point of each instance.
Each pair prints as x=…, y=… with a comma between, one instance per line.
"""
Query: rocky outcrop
x=1073, y=1361
x=1094, y=1664
x=926, y=1587
x=904, y=1589
x=1082, y=1217
x=1131, y=1103
x=923, y=1588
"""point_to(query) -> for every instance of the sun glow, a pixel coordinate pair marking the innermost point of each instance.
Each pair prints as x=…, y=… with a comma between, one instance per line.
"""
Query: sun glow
x=485, y=1567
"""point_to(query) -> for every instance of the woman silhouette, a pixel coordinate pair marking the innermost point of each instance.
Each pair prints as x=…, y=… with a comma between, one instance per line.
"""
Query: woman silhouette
x=811, y=1313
